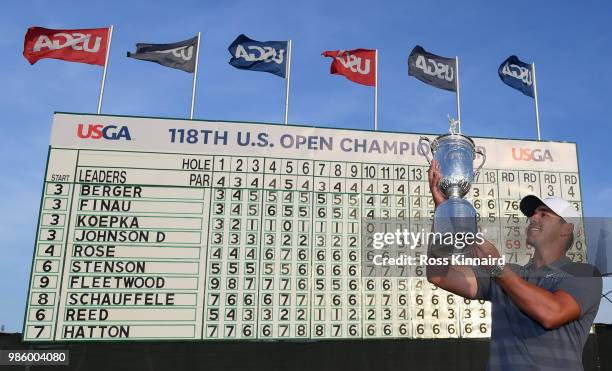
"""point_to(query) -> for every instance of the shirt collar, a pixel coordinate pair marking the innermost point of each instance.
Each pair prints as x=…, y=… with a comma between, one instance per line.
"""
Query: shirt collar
x=557, y=264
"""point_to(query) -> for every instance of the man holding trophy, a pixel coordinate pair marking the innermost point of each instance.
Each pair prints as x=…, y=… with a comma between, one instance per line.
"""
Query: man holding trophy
x=541, y=312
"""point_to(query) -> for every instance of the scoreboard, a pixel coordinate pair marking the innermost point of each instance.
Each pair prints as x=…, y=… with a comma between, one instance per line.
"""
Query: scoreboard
x=172, y=229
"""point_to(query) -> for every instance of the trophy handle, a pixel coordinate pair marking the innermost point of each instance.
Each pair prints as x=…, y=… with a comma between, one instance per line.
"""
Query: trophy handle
x=425, y=139
x=484, y=159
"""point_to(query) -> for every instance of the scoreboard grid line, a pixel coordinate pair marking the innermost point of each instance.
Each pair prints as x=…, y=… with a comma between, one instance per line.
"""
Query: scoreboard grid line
x=296, y=158
x=204, y=282
x=65, y=247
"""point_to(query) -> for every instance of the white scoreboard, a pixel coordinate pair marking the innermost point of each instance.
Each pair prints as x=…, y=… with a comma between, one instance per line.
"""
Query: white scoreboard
x=174, y=229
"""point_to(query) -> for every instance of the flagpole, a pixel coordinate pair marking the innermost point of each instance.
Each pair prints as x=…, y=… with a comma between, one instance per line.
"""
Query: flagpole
x=458, y=94
x=535, y=93
x=108, y=45
x=287, y=81
x=376, y=90
x=195, y=78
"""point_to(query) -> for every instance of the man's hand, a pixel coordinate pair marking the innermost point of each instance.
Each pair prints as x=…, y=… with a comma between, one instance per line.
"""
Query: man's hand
x=434, y=175
x=485, y=250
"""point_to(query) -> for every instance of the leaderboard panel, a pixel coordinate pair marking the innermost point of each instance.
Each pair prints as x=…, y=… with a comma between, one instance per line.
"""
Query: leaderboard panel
x=187, y=230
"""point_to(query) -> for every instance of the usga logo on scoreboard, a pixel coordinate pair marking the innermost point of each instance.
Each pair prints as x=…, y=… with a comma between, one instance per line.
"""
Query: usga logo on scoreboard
x=99, y=131
x=528, y=154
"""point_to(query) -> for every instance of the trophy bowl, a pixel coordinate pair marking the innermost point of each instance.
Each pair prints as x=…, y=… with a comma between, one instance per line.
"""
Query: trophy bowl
x=456, y=154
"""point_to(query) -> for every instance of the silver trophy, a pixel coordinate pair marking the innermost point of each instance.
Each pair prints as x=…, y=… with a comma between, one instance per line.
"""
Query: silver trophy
x=455, y=153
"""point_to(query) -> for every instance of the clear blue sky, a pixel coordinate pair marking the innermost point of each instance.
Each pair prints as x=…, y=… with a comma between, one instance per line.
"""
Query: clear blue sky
x=570, y=42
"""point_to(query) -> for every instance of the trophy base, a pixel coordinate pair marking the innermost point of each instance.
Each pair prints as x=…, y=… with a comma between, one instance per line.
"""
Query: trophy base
x=456, y=217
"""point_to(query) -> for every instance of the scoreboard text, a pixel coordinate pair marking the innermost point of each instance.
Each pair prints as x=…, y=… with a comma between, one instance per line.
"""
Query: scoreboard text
x=174, y=229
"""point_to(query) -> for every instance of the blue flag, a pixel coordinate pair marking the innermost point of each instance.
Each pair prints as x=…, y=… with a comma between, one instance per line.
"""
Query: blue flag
x=517, y=74
x=263, y=56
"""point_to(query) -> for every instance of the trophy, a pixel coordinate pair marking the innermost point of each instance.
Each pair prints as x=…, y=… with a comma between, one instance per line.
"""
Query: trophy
x=455, y=153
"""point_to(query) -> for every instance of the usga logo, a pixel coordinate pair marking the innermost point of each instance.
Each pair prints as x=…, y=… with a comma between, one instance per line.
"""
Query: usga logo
x=76, y=41
x=98, y=131
x=528, y=154
x=353, y=62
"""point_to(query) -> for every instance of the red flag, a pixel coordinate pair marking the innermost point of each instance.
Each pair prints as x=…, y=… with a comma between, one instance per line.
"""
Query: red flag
x=358, y=65
x=82, y=45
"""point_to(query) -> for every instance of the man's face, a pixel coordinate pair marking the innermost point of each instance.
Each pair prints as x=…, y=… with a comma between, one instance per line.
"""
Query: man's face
x=544, y=226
